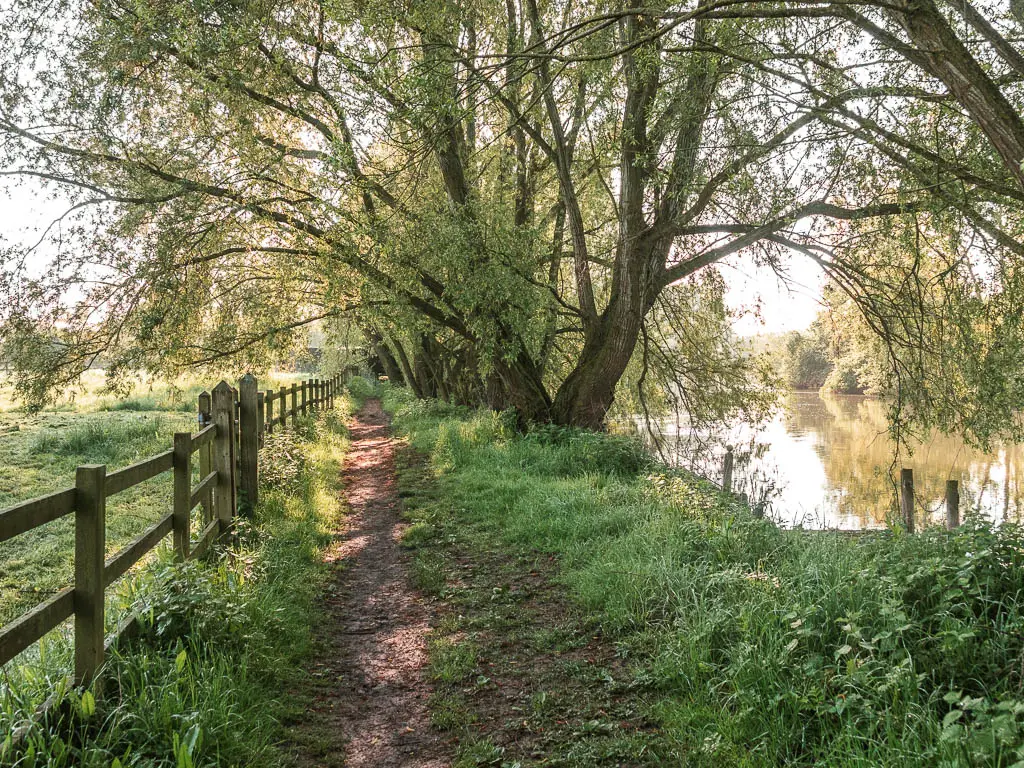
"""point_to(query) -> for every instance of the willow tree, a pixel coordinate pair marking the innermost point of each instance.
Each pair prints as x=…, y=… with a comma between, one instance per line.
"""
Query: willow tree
x=518, y=201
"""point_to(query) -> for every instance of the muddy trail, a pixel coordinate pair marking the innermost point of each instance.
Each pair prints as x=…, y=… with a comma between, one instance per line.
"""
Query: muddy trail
x=370, y=693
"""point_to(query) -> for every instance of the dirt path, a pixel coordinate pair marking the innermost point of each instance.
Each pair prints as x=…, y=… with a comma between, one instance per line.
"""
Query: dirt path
x=369, y=706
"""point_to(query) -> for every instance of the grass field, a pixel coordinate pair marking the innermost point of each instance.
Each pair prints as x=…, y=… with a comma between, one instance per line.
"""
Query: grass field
x=611, y=612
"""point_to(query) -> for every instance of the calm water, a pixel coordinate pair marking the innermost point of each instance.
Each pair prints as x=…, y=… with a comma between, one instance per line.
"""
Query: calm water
x=827, y=462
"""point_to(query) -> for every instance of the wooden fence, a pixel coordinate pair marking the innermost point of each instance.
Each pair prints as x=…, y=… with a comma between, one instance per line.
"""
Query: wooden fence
x=232, y=425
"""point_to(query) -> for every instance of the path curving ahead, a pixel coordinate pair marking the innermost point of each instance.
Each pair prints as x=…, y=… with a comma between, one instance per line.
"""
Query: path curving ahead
x=370, y=708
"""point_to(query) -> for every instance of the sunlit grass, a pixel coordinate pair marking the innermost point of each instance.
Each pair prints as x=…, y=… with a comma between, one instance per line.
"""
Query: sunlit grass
x=750, y=645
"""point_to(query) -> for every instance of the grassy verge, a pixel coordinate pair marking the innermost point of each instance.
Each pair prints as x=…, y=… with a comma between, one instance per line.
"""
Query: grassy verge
x=604, y=611
x=203, y=683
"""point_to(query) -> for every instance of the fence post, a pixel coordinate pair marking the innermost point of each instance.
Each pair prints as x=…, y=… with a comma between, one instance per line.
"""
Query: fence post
x=952, y=504
x=295, y=404
x=311, y=385
x=224, y=454
x=206, y=453
x=727, y=463
x=249, y=440
x=90, y=543
x=304, y=390
x=260, y=423
x=269, y=419
x=182, y=493
x=332, y=386
x=907, y=498
x=283, y=409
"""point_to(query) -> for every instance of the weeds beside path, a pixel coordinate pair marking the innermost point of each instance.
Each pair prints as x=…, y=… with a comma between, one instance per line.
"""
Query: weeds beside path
x=369, y=693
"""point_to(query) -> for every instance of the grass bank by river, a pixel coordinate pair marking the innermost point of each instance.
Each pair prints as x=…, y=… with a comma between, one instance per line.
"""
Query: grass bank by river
x=733, y=643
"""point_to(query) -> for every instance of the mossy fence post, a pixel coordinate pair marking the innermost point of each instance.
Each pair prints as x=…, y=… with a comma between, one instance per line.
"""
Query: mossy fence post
x=182, y=493
x=260, y=411
x=90, y=547
x=249, y=441
x=206, y=453
x=224, y=454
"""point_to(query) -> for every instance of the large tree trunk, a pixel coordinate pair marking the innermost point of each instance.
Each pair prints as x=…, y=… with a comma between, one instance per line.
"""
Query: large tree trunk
x=588, y=393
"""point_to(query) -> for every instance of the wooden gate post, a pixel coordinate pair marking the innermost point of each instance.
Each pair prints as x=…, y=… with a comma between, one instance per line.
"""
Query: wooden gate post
x=249, y=441
x=952, y=504
x=907, y=498
x=90, y=546
x=224, y=455
x=269, y=400
x=182, y=509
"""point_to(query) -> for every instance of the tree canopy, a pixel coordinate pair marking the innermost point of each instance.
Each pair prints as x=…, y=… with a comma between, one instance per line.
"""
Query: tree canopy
x=521, y=203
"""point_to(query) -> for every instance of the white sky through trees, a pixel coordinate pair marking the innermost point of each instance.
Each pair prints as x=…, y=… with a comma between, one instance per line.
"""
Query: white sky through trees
x=767, y=303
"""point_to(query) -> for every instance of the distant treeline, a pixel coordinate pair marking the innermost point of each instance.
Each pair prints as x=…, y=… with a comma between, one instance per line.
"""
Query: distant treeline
x=835, y=354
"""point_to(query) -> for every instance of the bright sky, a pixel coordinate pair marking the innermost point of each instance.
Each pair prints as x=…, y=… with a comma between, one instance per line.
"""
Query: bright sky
x=27, y=208
x=768, y=304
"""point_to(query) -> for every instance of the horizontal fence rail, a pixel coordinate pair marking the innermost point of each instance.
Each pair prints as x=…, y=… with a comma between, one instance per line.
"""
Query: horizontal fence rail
x=233, y=423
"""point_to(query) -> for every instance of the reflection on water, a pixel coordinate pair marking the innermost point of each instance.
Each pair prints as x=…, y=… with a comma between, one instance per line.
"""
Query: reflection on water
x=828, y=462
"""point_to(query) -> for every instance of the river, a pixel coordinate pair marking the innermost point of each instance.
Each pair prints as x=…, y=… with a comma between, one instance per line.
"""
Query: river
x=827, y=462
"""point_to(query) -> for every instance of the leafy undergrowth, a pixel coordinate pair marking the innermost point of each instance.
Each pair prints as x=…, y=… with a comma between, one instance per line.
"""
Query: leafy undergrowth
x=734, y=643
x=201, y=683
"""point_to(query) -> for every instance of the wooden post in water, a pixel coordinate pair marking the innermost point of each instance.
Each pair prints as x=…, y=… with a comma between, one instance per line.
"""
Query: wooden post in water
x=248, y=441
x=952, y=504
x=907, y=498
x=224, y=455
x=182, y=509
x=90, y=546
x=727, y=463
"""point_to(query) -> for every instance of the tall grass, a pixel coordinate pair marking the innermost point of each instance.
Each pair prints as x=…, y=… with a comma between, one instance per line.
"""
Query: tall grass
x=205, y=680
x=105, y=440
x=759, y=646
